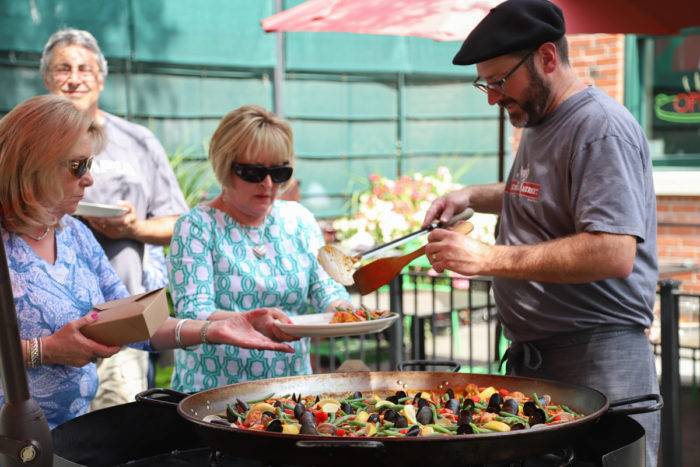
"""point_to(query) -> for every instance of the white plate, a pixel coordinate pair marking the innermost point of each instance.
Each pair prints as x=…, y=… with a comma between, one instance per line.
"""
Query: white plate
x=319, y=325
x=98, y=210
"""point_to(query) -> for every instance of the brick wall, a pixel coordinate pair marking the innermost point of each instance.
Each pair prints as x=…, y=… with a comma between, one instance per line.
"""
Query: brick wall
x=679, y=235
x=599, y=59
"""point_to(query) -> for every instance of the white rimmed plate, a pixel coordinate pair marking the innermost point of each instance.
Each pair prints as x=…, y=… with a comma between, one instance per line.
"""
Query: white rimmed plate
x=319, y=325
x=98, y=210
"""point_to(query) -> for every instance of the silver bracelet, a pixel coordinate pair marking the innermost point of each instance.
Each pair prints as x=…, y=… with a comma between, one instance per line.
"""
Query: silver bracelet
x=178, y=327
x=203, y=333
x=34, y=353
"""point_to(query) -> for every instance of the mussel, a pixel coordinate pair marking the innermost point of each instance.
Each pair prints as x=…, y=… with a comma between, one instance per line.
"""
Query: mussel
x=347, y=408
x=274, y=426
x=450, y=393
x=453, y=405
x=400, y=422
x=413, y=431
x=326, y=429
x=537, y=418
x=231, y=415
x=495, y=402
x=390, y=415
x=241, y=406
x=373, y=418
x=307, y=418
x=468, y=404
x=395, y=398
x=308, y=429
x=465, y=429
x=267, y=417
x=423, y=403
x=517, y=426
x=425, y=415
x=299, y=410
x=529, y=408
x=510, y=406
x=417, y=398
x=357, y=395
x=220, y=421
x=465, y=417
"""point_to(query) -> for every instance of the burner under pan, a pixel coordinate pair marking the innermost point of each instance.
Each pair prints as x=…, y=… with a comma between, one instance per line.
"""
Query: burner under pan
x=137, y=434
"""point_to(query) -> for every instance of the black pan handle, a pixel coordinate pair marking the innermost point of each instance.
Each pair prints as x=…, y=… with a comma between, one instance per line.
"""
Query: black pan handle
x=615, y=409
x=333, y=446
x=454, y=366
x=161, y=396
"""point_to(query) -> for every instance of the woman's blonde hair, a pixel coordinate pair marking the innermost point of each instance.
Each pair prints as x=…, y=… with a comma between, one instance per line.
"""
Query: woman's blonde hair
x=246, y=133
x=36, y=138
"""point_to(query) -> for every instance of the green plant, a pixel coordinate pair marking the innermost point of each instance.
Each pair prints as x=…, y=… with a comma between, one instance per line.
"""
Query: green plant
x=195, y=177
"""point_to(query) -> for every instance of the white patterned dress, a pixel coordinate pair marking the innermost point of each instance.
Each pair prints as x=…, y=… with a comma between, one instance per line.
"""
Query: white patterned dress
x=47, y=296
x=213, y=266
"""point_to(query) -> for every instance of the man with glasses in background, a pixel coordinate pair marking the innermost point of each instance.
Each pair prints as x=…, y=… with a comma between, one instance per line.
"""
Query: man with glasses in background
x=575, y=262
x=133, y=172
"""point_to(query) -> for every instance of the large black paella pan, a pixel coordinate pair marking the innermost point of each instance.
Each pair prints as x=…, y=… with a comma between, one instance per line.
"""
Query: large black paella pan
x=409, y=451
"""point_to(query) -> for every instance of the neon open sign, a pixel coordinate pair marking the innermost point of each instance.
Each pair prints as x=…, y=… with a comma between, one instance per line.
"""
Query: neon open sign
x=683, y=107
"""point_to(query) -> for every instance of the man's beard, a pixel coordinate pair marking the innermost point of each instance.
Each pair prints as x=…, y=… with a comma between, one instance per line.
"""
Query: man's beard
x=532, y=109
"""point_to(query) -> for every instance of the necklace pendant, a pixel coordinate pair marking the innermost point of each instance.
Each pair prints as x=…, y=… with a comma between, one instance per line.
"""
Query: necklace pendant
x=259, y=251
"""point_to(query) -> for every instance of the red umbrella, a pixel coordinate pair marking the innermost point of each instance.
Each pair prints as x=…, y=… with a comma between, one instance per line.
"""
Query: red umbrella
x=452, y=20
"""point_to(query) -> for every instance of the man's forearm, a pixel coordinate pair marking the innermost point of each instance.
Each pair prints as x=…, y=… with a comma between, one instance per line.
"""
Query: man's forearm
x=584, y=257
x=157, y=230
x=485, y=198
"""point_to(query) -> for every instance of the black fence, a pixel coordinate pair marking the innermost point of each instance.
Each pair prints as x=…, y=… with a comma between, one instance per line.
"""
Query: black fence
x=448, y=318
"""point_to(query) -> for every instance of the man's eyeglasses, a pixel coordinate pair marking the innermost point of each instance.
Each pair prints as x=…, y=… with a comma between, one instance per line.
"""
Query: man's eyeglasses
x=62, y=72
x=498, y=86
x=255, y=173
x=80, y=167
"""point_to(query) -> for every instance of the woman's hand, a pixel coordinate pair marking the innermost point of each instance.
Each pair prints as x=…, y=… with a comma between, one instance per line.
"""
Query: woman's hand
x=68, y=346
x=252, y=330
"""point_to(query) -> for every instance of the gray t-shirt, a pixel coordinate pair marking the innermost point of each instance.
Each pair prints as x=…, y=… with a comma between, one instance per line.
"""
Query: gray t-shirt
x=134, y=167
x=586, y=168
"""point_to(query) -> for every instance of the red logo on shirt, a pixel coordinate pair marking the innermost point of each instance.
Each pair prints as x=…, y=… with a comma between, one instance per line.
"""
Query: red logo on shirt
x=527, y=190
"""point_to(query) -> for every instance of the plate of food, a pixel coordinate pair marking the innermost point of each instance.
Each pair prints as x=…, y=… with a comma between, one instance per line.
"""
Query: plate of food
x=98, y=210
x=342, y=322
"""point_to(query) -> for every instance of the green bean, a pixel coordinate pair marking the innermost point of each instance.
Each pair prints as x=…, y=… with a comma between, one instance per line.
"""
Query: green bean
x=341, y=420
x=567, y=409
x=479, y=405
x=391, y=432
x=358, y=399
x=331, y=418
x=356, y=423
x=404, y=399
x=269, y=396
x=516, y=417
x=287, y=406
x=435, y=414
x=440, y=429
x=537, y=401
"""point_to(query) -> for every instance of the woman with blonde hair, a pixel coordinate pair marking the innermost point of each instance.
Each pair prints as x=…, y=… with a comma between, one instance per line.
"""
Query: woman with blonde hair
x=247, y=250
x=58, y=270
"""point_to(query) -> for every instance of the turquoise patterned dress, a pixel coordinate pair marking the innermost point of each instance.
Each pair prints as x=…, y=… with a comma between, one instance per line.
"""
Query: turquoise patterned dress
x=213, y=265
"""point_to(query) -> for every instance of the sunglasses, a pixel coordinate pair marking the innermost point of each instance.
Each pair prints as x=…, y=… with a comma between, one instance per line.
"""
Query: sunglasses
x=255, y=173
x=80, y=167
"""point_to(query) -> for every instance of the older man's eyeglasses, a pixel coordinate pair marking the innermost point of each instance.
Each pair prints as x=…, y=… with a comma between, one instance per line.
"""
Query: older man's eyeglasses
x=255, y=173
x=80, y=167
x=498, y=86
x=63, y=72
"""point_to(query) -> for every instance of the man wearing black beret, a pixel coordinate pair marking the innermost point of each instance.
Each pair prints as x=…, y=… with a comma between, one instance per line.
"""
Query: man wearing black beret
x=575, y=264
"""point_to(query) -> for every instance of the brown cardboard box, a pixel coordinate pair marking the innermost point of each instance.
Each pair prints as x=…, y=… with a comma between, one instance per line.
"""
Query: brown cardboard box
x=130, y=319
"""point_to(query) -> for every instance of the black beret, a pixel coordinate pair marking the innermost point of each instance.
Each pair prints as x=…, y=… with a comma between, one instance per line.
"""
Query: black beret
x=512, y=26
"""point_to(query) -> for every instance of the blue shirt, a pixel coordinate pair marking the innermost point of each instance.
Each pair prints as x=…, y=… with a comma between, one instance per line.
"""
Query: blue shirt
x=47, y=296
x=213, y=266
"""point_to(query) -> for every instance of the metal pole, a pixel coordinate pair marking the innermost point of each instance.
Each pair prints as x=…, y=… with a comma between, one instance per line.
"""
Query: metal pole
x=280, y=64
x=396, y=330
x=25, y=438
x=501, y=143
x=670, y=374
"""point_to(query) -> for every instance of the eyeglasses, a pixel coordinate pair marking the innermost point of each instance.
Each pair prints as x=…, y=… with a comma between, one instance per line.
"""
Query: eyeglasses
x=255, y=173
x=498, y=86
x=62, y=72
x=80, y=167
